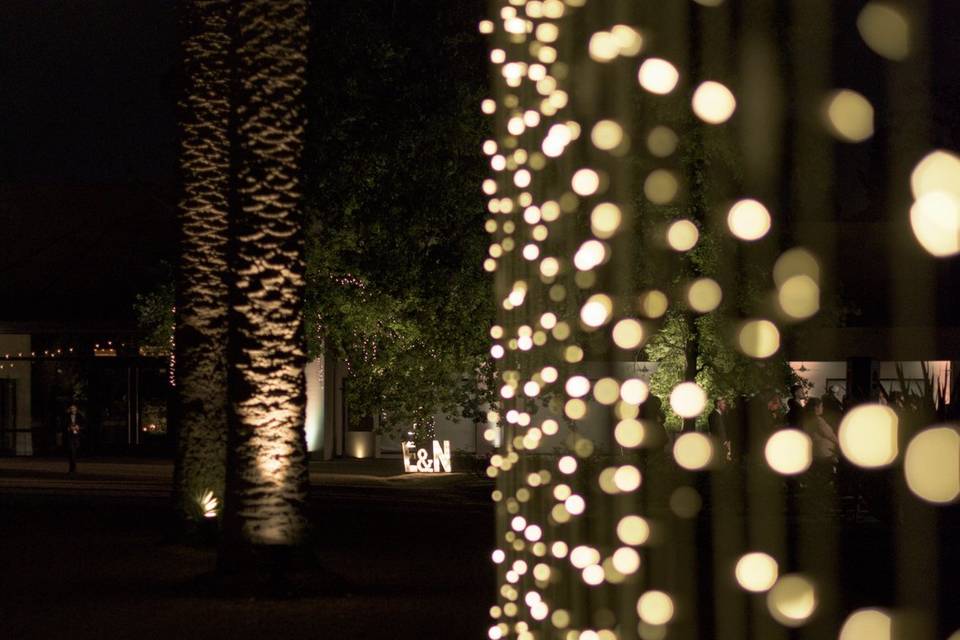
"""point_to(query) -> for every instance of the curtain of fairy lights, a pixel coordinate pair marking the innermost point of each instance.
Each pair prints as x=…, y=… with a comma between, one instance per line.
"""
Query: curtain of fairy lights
x=655, y=170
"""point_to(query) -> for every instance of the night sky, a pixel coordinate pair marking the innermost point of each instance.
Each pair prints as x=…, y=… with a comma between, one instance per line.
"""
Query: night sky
x=88, y=155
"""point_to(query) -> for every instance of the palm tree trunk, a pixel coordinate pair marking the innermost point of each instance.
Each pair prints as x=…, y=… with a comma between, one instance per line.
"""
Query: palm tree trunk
x=202, y=291
x=267, y=468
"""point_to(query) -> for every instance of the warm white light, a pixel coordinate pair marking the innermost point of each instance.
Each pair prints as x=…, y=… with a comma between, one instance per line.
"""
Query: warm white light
x=628, y=333
x=682, y=235
x=634, y=391
x=693, y=451
x=849, y=116
x=756, y=572
x=658, y=76
x=938, y=171
x=792, y=600
x=688, y=400
x=789, y=451
x=935, y=220
x=633, y=530
x=590, y=254
x=660, y=187
x=605, y=220
x=867, y=624
x=704, y=295
x=585, y=182
x=748, y=220
x=799, y=296
x=868, y=435
x=577, y=386
x=759, y=338
x=655, y=607
x=606, y=135
x=932, y=465
x=885, y=29
x=713, y=102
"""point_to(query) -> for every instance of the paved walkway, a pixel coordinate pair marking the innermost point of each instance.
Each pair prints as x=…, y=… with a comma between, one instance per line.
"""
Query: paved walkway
x=380, y=480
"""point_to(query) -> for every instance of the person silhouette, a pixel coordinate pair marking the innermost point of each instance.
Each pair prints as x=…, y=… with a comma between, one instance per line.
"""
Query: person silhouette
x=73, y=425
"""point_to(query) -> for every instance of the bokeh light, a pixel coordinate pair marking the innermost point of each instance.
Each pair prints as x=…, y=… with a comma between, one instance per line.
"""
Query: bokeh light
x=658, y=76
x=655, y=607
x=756, y=572
x=789, y=451
x=748, y=220
x=688, y=400
x=682, y=235
x=867, y=624
x=849, y=116
x=931, y=465
x=792, y=600
x=713, y=102
x=885, y=29
x=693, y=451
x=704, y=295
x=759, y=338
x=868, y=435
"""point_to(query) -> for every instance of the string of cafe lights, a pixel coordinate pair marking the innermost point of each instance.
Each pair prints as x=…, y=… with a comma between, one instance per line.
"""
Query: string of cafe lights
x=572, y=537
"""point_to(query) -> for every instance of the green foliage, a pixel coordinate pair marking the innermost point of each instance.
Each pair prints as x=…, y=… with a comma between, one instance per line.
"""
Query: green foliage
x=396, y=241
x=155, y=317
x=707, y=166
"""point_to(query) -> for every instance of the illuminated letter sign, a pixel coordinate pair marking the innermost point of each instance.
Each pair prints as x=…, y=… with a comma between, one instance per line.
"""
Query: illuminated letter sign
x=424, y=462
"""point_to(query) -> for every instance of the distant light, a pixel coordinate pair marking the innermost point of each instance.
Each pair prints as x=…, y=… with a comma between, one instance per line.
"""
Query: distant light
x=868, y=435
x=713, y=102
x=658, y=76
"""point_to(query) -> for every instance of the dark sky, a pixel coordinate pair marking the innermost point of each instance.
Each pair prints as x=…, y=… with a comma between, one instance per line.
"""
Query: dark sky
x=88, y=150
x=87, y=154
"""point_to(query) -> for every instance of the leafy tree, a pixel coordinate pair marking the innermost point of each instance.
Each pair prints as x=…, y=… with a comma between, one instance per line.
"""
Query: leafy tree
x=396, y=239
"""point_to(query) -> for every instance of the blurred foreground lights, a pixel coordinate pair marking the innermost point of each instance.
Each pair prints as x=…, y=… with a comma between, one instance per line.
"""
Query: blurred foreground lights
x=795, y=262
x=634, y=391
x=713, y=102
x=629, y=40
x=603, y=46
x=590, y=254
x=799, y=297
x=658, y=76
x=849, y=116
x=654, y=303
x=688, y=400
x=629, y=433
x=596, y=310
x=867, y=624
x=633, y=530
x=868, y=435
x=932, y=465
x=585, y=182
x=682, y=235
x=626, y=560
x=935, y=220
x=607, y=135
x=885, y=30
x=627, y=478
x=655, y=607
x=605, y=220
x=685, y=502
x=792, y=600
x=756, y=572
x=938, y=171
x=660, y=187
x=748, y=220
x=693, y=451
x=577, y=386
x=661, y=141
x=759, y=338
x=789, y=452
x=628, y=333
x=704, y=295
x=208, y=504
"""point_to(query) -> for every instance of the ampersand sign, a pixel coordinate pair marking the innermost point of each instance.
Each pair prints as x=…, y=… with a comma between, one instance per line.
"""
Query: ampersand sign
x=424, y=463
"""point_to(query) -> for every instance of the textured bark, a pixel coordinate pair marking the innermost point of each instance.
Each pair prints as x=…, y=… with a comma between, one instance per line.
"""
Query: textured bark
x=267, y=467
x=202, y=291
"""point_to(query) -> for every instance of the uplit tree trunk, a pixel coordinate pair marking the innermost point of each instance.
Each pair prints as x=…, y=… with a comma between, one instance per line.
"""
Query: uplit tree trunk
x=202, y=291
x=267, y=467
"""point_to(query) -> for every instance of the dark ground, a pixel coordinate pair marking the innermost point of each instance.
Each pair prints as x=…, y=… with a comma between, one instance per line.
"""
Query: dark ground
x=95, y=565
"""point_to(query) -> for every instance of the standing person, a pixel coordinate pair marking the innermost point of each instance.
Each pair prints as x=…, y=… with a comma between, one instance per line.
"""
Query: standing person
x=73, y=425
x=832, y=407
x=823, y=434
x=795, y=407
x=716, y=423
